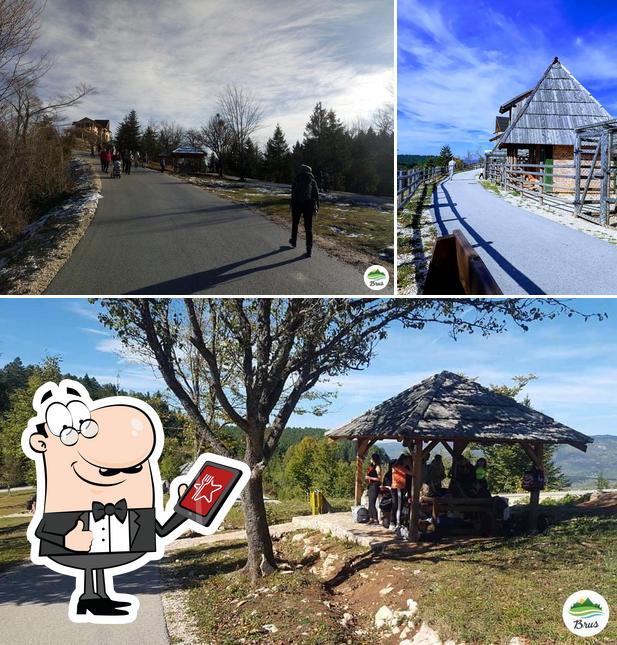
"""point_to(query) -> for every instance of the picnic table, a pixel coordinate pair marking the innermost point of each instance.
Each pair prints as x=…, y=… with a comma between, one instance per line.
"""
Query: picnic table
x=484, y=507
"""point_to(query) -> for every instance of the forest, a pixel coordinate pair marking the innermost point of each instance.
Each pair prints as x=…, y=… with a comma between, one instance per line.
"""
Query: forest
x=303, y=461
x=357, y=158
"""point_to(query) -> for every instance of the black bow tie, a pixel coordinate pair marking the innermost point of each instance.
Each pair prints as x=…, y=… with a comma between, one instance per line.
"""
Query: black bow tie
x=118, y=509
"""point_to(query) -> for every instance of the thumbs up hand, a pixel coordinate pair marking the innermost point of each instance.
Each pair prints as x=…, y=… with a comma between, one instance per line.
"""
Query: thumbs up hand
x=78, y=539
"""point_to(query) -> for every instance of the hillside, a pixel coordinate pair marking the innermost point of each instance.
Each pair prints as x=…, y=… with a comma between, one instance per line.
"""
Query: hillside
x=409, y=161
x=582, y=468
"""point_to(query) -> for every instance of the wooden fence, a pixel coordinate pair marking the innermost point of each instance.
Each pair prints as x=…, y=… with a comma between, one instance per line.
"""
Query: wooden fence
x=409, y=181
x=553, y=184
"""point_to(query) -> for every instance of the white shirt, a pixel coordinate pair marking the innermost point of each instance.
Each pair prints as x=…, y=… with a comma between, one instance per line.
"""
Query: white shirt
x=451, y=164
x=109, y=535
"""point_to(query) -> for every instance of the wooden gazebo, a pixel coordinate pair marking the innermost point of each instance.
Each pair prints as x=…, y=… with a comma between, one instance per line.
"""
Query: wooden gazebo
x=453, y=410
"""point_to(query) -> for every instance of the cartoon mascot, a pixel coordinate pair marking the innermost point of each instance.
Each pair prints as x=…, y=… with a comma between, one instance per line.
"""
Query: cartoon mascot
x=99, y=510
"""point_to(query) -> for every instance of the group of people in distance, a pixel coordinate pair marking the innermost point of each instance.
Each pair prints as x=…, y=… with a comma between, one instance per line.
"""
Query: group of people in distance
x=389, y=488
x=115, y=161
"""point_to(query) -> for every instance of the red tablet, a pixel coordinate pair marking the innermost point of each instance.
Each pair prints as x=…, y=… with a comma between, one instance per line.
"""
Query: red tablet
x=207, y=492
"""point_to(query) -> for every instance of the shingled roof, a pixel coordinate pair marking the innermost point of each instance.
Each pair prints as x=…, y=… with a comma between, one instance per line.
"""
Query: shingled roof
x=555, y=108
x=448, y=406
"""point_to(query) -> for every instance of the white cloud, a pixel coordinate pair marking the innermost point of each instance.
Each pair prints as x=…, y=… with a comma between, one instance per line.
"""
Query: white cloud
x=450, y=87
x=171, y=60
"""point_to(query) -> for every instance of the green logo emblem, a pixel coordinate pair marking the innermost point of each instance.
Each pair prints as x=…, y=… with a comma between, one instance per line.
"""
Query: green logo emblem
x=585, y=609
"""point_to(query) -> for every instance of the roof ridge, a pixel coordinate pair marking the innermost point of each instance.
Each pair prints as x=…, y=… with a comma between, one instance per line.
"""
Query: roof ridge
x=523, y=111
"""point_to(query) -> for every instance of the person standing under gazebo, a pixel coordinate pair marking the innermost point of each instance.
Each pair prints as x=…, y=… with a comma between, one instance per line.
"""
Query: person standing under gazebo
x=374, y=476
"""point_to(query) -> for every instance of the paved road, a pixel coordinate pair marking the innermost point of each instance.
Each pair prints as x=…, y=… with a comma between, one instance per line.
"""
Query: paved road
x=525, y=252
x=153, y=234
x=34, y=604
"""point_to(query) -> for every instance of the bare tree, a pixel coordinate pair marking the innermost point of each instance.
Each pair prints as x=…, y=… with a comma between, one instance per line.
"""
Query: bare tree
x=217, y=136
x=261, y=357
x=30, y=109
x=171, y=135
x=383, y=119
x=243, y=114
x=19, y=25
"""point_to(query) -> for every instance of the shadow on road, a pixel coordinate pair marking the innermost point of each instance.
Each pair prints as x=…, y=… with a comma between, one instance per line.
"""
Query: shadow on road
x=518, y=276
x=214, y=277
x=31, y=584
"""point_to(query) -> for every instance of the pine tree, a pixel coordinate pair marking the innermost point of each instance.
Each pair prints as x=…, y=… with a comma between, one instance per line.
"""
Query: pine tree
x=128, y=135
x=150, y=142
x=445, y=154
x=326, y=148
x=277, y=161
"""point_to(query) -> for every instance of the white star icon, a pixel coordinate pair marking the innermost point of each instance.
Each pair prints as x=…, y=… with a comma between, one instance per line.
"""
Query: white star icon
x=206, y=489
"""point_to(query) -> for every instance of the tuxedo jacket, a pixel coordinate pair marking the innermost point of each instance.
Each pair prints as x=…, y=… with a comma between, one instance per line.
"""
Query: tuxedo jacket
x=143, y=529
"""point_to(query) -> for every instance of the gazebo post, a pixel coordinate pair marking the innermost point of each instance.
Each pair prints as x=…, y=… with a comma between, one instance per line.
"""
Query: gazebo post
x=534, y=495
x=363, y=446
x=416, y=484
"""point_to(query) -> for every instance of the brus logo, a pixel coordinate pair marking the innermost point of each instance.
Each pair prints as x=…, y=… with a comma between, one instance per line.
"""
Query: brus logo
x=376, y=277
x=585, y=613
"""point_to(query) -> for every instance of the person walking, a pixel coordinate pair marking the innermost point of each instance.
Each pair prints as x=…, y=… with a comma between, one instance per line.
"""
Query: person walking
x=127, y=162
x=305, y=205
x=103, y=156
x=451, y=168
x=162, y=162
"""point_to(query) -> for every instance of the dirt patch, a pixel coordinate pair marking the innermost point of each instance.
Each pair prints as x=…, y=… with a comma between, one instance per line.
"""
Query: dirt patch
x=601, y=500
x=29, y=265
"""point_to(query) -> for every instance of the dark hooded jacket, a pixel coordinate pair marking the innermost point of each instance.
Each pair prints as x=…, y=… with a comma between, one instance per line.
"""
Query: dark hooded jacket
x=304, y=191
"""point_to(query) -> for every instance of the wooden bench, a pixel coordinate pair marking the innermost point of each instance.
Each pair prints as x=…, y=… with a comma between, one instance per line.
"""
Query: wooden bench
x=482, y=506
x=457, y=269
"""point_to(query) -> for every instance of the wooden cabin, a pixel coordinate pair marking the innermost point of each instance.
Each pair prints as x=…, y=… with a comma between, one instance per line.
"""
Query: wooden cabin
x=540, y=124
x=98, y=127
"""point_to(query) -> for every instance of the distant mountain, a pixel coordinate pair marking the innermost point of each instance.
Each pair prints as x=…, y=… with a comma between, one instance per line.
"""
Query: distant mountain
x=582, y=468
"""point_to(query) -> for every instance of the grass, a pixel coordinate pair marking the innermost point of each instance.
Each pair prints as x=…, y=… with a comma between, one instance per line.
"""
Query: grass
x=228, y=609
x=356, y=233
x=421, y=243
x=491, y=186
x=493, y=590
x=14, y=546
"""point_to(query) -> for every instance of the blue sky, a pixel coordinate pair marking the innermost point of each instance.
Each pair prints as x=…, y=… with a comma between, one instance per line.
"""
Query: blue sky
x=576, y=362
x=170, y=60
x=459, y=61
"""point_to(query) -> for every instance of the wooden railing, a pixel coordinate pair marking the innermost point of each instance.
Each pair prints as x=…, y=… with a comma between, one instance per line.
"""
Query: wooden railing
x=551, y=184
x=409, y=181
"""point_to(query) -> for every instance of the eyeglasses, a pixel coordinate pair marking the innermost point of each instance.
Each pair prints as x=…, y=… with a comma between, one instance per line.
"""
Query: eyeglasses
x=70, y=421
x=88, y=429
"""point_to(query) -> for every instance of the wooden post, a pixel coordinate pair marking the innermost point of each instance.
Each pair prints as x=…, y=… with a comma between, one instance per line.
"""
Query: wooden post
x=577, y=173
x=534, y=495
x=605, y=155
x=416, y=483
x=360, y=454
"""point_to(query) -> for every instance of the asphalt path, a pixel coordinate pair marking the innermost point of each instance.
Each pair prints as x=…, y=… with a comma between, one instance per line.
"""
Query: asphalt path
x=154, y=234
x=526, y=253
x=34, y=603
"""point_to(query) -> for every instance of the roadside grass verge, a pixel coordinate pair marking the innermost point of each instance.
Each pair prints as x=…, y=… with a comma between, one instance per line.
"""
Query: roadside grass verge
x=492, y=590
x=290, y=606
x=359, y=234
x=14, y=546
x=489, y=185
x=417, y=235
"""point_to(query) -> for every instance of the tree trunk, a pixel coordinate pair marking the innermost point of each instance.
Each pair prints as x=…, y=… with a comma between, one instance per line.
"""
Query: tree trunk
x=260, y=561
